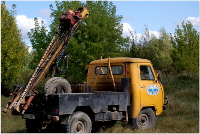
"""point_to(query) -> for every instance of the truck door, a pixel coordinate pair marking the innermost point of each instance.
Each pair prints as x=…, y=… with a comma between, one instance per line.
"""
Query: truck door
x=151, y=90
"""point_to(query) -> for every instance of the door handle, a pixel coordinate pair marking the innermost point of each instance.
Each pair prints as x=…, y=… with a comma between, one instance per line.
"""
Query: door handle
x=143, y=86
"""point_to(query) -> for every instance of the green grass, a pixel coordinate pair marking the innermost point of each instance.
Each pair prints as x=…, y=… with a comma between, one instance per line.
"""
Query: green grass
x=10, y=123
x=181, y=115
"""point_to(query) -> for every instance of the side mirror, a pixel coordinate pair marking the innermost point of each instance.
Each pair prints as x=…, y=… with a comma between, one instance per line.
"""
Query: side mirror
x=157, y=74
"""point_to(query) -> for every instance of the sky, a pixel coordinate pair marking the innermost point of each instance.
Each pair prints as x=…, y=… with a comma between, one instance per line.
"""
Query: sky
x=136, y=15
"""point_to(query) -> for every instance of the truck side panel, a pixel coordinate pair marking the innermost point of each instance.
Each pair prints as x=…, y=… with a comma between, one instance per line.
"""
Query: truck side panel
x=98, y=101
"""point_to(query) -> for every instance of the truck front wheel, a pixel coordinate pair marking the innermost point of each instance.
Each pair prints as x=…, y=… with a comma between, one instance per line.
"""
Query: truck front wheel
x=78, y=122
x=145, y=120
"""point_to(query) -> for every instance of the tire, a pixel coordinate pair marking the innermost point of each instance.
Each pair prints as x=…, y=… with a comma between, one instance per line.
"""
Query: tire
x=78, y=122
x=56, y=85
x=33, y=126
x=145, y=120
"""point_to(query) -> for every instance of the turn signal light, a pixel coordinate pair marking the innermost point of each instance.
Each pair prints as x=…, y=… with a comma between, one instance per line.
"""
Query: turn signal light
x=57, y=111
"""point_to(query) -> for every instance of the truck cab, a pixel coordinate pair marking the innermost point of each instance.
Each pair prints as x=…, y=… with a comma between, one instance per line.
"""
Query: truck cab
x=145, y=89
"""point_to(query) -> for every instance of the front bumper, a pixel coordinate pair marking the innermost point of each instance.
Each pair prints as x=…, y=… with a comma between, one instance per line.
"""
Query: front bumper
x=165, y=104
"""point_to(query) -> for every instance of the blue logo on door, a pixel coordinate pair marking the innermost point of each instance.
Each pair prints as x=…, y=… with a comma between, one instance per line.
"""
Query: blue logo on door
x=152, y=90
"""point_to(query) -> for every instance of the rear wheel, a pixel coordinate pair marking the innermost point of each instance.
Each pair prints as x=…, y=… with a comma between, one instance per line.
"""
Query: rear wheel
x=78, y=122
x=145, y=120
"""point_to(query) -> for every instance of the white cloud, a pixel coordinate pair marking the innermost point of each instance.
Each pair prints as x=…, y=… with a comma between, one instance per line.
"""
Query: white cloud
x=45, y=12
x=193, y=20
x=126, y=30
x=155, y=33
x=140, y=36
x=25, y=24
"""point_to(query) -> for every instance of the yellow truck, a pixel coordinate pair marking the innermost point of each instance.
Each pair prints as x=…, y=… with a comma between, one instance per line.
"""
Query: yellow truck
x=122, y=88
x=117, y=89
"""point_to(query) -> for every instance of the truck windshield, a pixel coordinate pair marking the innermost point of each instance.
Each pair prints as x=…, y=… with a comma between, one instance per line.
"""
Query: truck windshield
x=146, y=73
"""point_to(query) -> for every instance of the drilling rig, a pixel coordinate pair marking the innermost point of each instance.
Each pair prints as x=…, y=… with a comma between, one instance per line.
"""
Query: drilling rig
x=24, y=95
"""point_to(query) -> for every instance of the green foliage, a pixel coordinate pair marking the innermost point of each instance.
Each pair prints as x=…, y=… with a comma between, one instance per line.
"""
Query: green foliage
x=39, y=39
x=155, y=49
x=13, y=50
x=186, y=48
x=26, y=70
x=178, y=53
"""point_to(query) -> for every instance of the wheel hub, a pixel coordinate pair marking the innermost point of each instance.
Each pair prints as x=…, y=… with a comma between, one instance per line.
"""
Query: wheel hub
x=79, y=127
x=143, y=120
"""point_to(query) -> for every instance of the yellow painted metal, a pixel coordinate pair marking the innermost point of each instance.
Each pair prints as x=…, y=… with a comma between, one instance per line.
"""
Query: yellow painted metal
x=135, y=107
x=121, y=60
x=155, y=101
x=139, y=95
x=84, y=12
